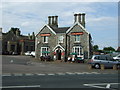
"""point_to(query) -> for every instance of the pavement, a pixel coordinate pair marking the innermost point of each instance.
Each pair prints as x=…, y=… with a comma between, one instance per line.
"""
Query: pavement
x=27, y=64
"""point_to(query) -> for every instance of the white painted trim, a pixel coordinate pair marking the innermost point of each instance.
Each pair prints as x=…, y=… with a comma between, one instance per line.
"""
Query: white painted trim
x=48, y=27
x=41, y=50
x=45, y=38
x=79, y=25
x=80, y=48
x=60, y=47
x=51, y=29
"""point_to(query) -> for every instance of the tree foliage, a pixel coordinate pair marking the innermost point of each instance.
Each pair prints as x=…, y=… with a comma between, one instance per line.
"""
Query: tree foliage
x=108, y=49
x=95, y=48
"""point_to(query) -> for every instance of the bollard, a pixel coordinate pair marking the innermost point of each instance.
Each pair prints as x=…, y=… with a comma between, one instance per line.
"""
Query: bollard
x=102, y=67
x=114, y=67
x=89, y=66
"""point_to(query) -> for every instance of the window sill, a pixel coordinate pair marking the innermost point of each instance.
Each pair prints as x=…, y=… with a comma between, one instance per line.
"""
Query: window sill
x=45, y=42
x=77, y=42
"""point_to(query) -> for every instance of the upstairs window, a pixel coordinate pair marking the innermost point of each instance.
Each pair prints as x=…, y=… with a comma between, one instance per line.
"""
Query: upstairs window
x=45, y=39
x=77, y=38
x=60, y=39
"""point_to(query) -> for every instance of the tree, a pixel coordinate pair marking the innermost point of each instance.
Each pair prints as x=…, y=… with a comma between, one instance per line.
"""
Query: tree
x=95, y=48
x=108, y=49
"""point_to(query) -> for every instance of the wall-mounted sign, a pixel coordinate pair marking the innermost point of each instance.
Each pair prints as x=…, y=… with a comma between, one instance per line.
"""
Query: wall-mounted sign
x=46, y=34
x=77, y=33
x=22, y=40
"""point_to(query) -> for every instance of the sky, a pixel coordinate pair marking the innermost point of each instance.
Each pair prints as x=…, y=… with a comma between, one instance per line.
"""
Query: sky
x=101, y=17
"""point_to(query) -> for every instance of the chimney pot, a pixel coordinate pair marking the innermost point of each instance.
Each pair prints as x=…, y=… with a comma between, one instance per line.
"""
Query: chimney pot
x=83, y=19
x=56, y=20
x=75, y=17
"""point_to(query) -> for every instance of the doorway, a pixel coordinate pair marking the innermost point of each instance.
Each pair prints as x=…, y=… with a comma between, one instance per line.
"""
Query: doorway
x=58, y=54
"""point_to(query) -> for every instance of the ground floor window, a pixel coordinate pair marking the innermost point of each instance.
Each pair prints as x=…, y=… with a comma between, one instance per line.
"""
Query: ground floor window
x=78, y=50
x=44, y=51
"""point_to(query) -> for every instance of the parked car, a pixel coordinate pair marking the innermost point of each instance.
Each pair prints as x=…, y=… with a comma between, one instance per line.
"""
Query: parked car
x=106, y=60
x=28, y=53
x=117, y=57
x=33, y=53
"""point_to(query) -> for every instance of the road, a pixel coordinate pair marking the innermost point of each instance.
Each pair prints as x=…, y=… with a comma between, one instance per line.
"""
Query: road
x=24, y=72
x=61, y=81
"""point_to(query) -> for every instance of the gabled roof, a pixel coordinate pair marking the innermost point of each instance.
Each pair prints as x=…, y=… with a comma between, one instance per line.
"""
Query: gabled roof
x=49, y=29
x=59, y=46
x=77, y=23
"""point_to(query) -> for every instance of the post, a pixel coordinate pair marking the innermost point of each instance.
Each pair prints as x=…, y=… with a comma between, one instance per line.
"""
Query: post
x=66, y=50
x=102, y=67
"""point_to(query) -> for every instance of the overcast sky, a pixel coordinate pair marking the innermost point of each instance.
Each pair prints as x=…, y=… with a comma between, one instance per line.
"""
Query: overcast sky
x=101, y=17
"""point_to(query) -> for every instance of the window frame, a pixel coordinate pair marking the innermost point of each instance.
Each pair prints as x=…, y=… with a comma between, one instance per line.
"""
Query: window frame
x=46, y=49
x=80, y=50
x=60, y=39
x=45, y=39
x=77, y=39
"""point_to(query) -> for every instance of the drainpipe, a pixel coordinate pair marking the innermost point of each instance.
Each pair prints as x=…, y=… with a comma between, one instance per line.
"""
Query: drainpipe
x=66, y=48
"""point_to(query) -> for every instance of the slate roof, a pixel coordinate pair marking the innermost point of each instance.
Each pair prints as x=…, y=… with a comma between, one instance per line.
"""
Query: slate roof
x=60, y=29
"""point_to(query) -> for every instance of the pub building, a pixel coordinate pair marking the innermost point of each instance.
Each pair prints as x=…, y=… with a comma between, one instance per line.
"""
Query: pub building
x=60, y=42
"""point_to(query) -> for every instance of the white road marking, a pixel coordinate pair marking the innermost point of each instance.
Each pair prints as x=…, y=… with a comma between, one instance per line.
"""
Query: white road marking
x=41, y=74
x=70, y=73
x=18, y=74
x=20, y=86
x=94, y=85
x=79, y=73
x=61, y=73
x=87, y=73
x=51, y=74
x=108, y=86
x=28, y=74
x=95, y=73
x=6, y=75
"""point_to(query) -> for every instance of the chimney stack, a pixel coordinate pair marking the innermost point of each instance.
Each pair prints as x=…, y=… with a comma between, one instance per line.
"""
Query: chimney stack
x=56, y=20
x=83, y=19
x=49, y=20
x=53, y=21
x=75, y=17
x=80, y=18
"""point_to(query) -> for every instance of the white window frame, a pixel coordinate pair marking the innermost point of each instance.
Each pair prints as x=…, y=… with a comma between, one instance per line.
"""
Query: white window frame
x=77, y=39
x=46, y=41
x=80, y=50
x=47, y=49
x=60, y=39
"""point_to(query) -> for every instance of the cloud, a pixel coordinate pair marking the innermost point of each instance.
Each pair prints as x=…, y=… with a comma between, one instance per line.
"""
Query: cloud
x=31, y=17
x=25, y=24
x=102, y=21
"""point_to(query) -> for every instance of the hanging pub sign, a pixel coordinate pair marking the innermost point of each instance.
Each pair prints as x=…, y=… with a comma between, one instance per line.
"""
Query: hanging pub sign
x=45, y=34
x=77, y=33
